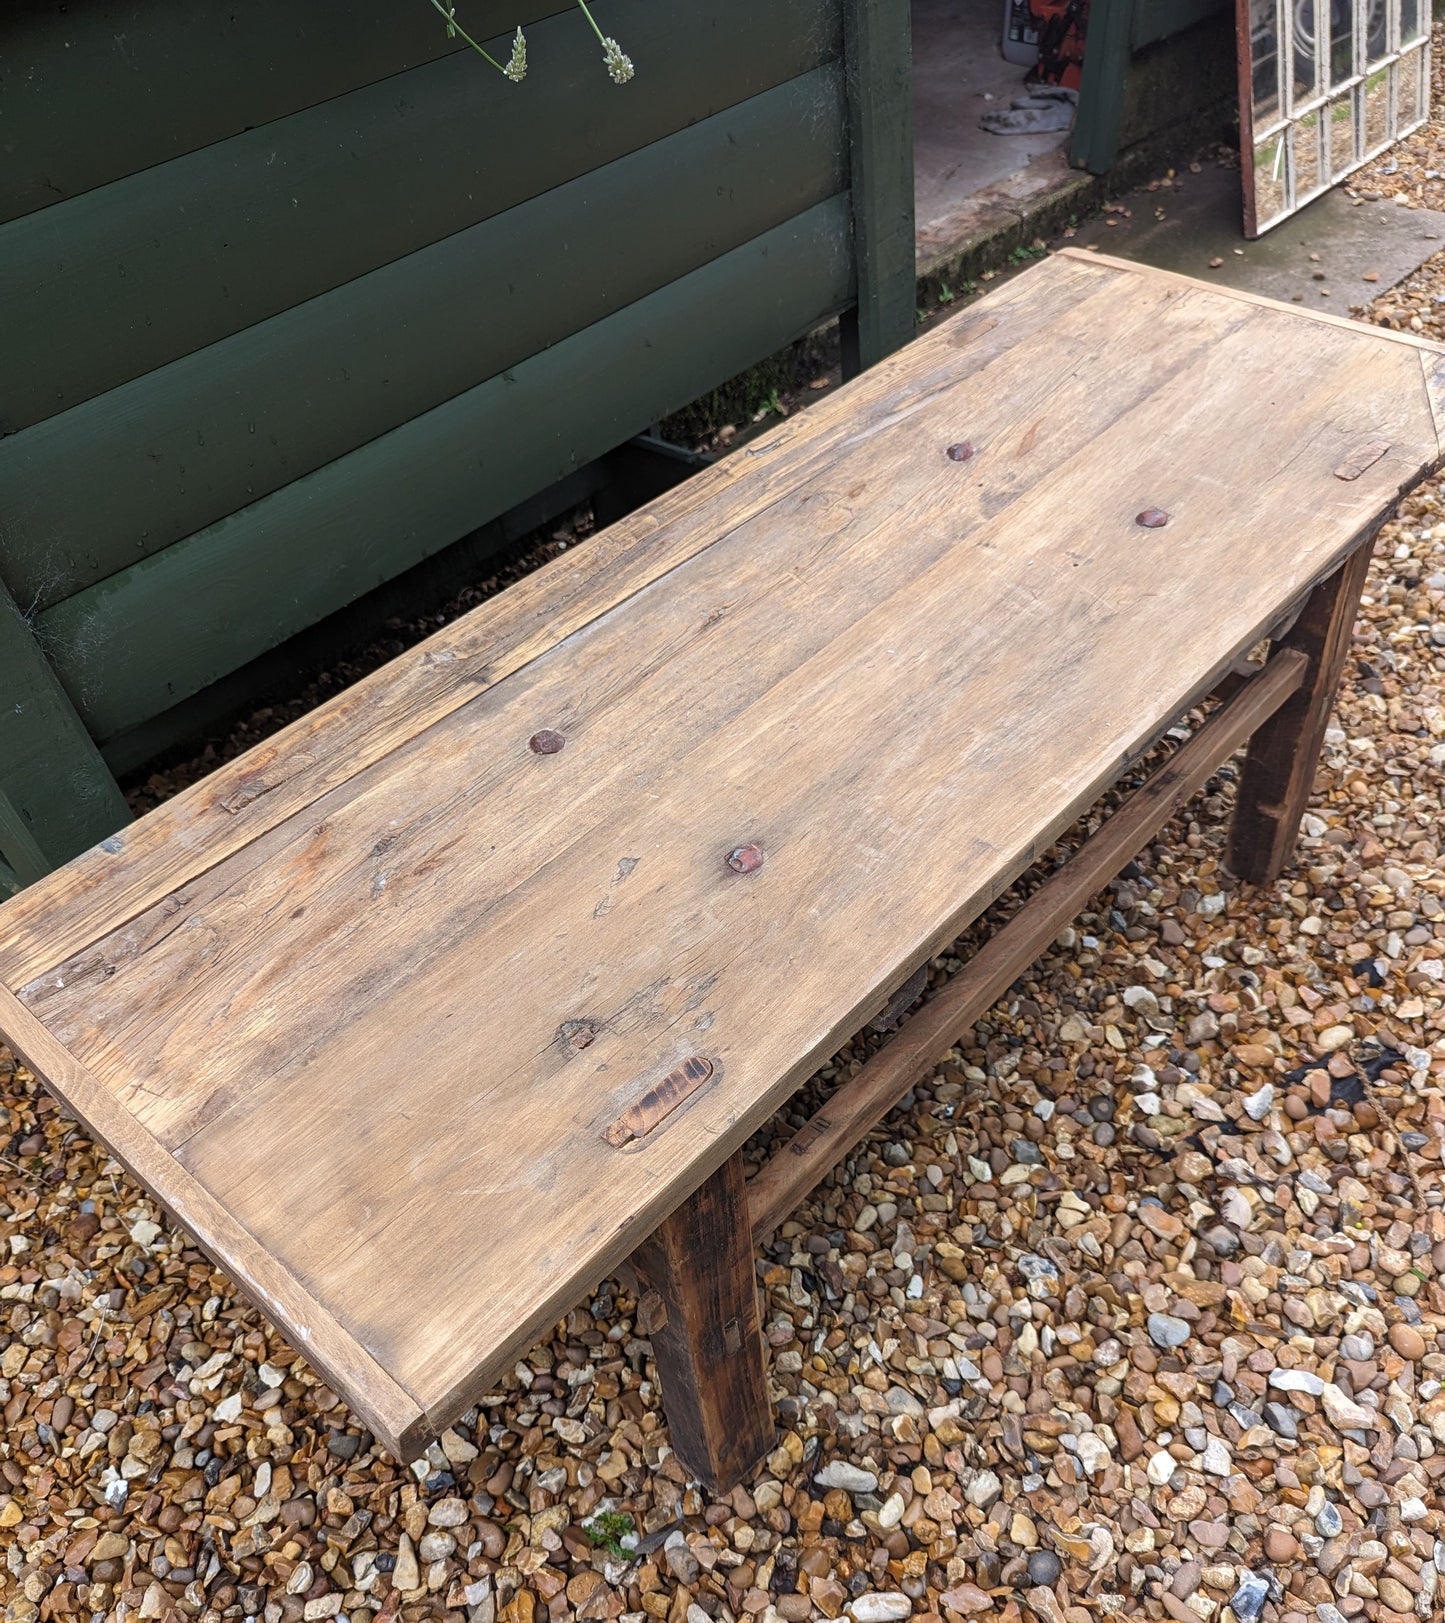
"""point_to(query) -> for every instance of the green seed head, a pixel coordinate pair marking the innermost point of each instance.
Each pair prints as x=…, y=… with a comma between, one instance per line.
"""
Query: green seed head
x=516, y=68
x=619, y=64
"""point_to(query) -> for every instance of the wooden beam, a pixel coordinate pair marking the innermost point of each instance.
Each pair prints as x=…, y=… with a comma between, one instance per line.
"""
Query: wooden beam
x=56, y=796
x=1279, y=771
x=879, y=57
x=1094, y=145
x=706, y=1330
x=859, y=1104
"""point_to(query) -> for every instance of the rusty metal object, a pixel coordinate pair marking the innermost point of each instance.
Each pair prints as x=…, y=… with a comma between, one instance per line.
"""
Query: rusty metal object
x=659, y=1102
x=745, y=858
x=1152, y=518
x=546, y=742
x=961, y=452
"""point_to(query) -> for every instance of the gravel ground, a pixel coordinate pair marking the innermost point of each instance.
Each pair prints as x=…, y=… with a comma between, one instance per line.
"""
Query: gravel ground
x=1134, y=1309
x=1413, y=170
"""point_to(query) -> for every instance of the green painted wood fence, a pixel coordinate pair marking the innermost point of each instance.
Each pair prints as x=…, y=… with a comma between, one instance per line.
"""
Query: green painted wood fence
x=297, y=296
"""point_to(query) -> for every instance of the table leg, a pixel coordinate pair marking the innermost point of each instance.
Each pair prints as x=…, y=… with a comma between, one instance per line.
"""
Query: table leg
x=707, y=1331
x=1279, y=767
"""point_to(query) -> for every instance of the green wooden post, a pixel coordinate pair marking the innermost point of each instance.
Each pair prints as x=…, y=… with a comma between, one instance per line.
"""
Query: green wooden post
x=878, y=47
x=56, y=796
x=1095, y=141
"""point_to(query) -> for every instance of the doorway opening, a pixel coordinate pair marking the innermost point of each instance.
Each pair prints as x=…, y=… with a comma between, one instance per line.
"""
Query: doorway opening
x=973, y=149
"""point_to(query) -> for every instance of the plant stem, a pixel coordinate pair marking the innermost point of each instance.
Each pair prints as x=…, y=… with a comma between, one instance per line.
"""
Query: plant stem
x=590, y=18
x=470, y=41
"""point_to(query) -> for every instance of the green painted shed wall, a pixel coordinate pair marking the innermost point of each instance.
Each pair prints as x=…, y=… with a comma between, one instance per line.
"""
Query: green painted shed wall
x=297, y=296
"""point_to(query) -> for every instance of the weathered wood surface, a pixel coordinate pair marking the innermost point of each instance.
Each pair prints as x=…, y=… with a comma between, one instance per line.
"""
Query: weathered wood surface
x=887, y=1075
x=382, y=987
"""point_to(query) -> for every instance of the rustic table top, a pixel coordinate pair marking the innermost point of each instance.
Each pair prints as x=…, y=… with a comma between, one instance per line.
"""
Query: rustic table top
x=420, y=1022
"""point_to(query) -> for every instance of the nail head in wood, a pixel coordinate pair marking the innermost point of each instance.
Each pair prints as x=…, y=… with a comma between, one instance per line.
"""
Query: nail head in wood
x=546, y=742
x=961, y=452
x=745, y=858
x=1152, y=518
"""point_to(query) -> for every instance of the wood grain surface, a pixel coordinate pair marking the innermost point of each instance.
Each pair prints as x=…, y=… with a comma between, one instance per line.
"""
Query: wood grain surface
x=381, y=988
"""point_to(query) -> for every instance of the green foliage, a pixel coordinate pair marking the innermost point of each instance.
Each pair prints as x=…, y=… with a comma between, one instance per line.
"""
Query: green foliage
x=614, y=58
x=607, y=1531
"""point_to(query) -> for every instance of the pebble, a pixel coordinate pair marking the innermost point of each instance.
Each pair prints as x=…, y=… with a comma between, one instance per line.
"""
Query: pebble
x=880, y=1608
x=1257, y=1105
x=1248, y=1600
x=1167, y=1331
x=1407, y=1341
x=1297, y=1380
x=1044, y=1568
x=850, y=1478
x=1345, y=1413
x=1328, y=1521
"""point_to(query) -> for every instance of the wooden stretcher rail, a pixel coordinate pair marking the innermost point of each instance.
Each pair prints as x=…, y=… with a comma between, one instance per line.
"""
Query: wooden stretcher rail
x=857, y=1106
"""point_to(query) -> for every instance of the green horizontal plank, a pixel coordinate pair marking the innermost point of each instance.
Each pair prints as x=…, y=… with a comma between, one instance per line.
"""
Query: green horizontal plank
x=284, y=671
x=116, y=283
x=172, y=452
x=91, y=93
x=136, y=644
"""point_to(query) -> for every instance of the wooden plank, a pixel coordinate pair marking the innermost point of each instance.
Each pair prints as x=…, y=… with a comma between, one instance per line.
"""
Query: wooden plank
x=1432, y=352
x=213, y=432
x=137, y=643
x=905, y=1059
x=88, y=95
x=878, y=51
x=56, y=796
x=129, y=277
x=707, y=1331
x=1094, y=143
x=1017, y=394
x=242, y=801
x=26, y=859
x=1279, y=770
x=389, y=1411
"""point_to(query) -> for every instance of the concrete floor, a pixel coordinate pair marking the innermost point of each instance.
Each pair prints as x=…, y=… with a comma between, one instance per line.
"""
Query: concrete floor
x=959, y=73
x=1318, y=258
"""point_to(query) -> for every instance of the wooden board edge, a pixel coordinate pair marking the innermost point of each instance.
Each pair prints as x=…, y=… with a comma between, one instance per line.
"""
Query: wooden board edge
x=1432, y=368
x=385, y=1407
x=1388, y=334
x=1244, y=73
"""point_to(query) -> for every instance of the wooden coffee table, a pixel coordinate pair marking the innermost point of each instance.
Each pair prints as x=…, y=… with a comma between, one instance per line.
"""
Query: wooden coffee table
x=432, y=1010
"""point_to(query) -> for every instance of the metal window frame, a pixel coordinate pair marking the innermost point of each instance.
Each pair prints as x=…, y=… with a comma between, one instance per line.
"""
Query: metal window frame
x=1283, y=134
